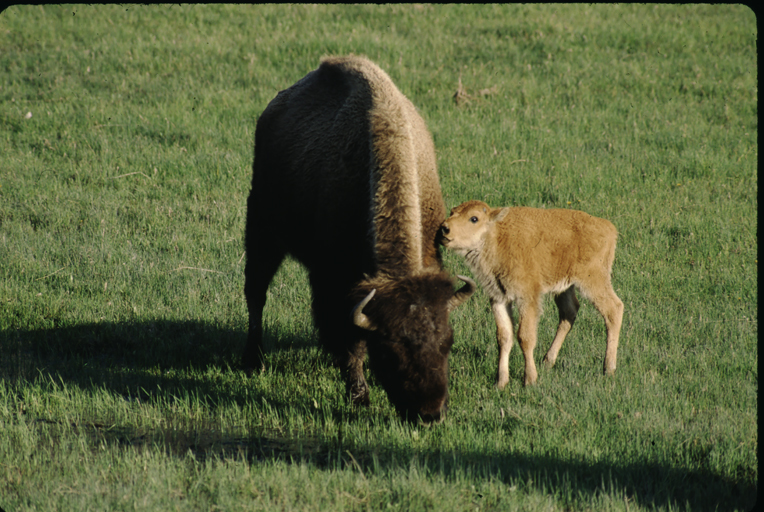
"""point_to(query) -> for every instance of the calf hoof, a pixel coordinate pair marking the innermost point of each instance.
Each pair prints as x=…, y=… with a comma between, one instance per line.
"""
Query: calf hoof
x=548, y=363
x=530, y=380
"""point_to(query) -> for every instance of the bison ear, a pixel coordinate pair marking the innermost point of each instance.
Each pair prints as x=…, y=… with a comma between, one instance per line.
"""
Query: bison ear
x=359, y=318
x=463, y=294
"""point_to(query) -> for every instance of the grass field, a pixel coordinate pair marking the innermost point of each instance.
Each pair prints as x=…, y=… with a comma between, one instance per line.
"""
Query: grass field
x=126, y=144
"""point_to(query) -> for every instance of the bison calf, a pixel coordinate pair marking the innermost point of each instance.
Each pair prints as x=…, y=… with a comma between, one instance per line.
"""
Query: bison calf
x=519, y=254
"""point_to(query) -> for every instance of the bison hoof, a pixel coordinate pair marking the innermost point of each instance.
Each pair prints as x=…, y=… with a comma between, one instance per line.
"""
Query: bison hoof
x=251, y=371
x=359, y=394
x=251, y=368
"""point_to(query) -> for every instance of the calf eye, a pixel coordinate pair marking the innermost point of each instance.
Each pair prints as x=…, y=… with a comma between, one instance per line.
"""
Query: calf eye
x=474, y=220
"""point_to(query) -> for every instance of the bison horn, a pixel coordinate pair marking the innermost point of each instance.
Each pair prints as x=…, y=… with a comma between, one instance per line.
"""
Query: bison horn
x=359, y=318
x=463, y=294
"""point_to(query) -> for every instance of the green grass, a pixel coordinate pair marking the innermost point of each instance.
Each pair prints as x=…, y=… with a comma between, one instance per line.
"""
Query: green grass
x=122, y=210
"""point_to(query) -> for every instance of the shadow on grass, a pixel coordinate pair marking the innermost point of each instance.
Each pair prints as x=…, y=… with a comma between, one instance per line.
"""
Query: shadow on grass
x=143, y=361
x=146, y=361
x=157, y=345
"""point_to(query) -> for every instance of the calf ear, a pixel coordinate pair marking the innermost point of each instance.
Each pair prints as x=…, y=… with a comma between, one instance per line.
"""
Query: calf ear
x=359, y=318
x=463, y=294
x=498, y=213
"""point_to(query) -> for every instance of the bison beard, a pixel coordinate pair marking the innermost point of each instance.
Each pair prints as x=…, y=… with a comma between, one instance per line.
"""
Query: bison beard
x=345, y=180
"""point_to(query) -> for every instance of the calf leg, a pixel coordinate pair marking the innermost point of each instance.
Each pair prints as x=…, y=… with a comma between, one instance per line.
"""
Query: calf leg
x=526, y=334
x=611, y=309
x=567, y=305
x=501, y=314
x=259, y=270
x=613, y=314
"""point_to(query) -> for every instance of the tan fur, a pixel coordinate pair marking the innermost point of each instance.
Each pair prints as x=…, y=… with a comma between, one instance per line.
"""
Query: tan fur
x=519, y=254
x=405, y=180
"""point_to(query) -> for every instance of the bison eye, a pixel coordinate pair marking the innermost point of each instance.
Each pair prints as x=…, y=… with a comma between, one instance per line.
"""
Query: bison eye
x=473, y=219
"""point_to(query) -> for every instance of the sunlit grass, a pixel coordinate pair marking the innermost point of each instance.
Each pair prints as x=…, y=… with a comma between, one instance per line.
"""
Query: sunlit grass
x=126, y=135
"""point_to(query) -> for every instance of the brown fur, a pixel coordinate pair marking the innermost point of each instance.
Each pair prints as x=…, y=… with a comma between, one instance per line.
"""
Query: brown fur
x=345, y=180
x=519, y=254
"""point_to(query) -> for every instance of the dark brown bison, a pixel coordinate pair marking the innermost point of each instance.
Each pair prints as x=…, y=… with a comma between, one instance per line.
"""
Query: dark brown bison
x=345, y=180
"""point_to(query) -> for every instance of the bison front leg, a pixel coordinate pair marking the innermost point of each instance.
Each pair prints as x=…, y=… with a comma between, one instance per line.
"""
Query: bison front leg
x=355, y=383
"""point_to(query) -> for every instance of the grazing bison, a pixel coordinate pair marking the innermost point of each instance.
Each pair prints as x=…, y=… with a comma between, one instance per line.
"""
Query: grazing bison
x=345, y=180
x=518, y=254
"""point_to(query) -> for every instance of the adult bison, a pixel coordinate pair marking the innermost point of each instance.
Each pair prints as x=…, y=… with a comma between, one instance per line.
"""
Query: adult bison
x=345, y=180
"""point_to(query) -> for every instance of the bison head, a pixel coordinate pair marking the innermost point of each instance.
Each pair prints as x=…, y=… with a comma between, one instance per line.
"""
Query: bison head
x=408, y=338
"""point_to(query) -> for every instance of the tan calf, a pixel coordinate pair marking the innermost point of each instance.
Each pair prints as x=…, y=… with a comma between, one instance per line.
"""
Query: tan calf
x=519, y=254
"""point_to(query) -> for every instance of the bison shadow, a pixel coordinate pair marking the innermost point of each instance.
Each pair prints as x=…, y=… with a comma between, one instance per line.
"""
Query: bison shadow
x=124, y=358
x=134, y=358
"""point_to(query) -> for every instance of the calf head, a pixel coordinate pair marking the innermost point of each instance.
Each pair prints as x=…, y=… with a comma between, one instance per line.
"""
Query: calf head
x=464, y=229
x=408, y=338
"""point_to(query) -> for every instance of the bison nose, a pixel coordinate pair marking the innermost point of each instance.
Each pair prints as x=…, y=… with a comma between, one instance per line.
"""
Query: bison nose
x=445, y=229
x=433, y=418
x=430, y=418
